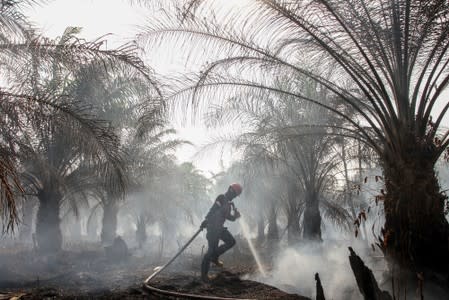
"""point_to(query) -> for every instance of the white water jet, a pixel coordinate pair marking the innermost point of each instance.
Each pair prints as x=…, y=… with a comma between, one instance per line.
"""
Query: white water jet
x=245, y=231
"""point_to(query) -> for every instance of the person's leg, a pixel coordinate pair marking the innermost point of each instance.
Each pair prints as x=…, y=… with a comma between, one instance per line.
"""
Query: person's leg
x=212, y=241
x=228, y=240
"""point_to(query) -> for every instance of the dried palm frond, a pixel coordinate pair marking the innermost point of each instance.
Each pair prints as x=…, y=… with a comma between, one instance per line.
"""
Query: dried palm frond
x=10, y=190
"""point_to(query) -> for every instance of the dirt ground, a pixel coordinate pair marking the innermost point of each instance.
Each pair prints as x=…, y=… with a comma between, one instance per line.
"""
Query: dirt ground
x=88, y=274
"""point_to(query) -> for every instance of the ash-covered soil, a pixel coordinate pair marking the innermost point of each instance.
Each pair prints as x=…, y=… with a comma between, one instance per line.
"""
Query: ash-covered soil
x=89, y=274
x=226, y=284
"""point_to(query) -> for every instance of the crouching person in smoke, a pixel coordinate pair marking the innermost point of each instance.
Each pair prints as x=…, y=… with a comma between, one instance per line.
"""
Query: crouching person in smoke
x=118, y=251
x=223, y=209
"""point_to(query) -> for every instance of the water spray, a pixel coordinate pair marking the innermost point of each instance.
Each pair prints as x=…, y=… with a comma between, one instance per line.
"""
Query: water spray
x=159, y=269
x=245, y=231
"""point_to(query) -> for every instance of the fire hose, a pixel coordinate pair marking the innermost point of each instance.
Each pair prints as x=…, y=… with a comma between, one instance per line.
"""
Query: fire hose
x=174, y=257
x=153, y=289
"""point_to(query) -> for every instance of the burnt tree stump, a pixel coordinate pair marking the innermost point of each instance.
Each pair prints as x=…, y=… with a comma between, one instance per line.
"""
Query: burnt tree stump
x=118, y=251
x=365, y=279
x=319, y=288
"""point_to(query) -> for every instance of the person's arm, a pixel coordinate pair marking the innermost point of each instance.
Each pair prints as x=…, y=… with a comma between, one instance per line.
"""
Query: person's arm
x=233, y=216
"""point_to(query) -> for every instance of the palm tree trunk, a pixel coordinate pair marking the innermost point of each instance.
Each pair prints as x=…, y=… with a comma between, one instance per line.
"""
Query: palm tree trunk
x=416, y=232
x=293, y=215
x=312, y=218
x=348, y=192
x=48, y=230
x=141, y=231
x=294, y=230
x=75, y=229
x=273, y=231
x=361, y=197
x=27, y=220
x=92, y=228
x=109, y=225
x=260, y=229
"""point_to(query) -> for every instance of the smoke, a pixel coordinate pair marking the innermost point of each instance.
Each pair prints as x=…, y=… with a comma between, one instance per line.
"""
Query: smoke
x=294, y=270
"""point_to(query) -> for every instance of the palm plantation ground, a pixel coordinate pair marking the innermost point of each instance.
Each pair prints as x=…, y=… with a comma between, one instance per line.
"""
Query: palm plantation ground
x=333, y=112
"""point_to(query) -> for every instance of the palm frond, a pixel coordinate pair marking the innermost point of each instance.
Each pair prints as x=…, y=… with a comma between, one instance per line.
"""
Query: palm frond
x=10, y=190
x=394, y=52
x=337, y=214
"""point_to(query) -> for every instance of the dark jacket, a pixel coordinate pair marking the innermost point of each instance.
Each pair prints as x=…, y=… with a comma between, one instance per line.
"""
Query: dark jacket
x=219, y=213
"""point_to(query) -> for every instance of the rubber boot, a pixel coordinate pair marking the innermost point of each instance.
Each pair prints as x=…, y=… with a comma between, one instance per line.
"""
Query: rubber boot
x=205, y=268
x=217, y=262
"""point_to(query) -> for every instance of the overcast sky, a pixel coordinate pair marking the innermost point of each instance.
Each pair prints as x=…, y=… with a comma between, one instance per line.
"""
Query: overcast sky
x=97, y=17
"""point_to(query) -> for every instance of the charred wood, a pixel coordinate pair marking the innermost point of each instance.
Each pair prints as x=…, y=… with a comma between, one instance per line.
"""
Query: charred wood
x=365, y=279
x=319, y=288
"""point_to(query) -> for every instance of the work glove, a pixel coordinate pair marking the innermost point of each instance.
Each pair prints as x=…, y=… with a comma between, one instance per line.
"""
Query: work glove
x=236, y=214
x=203, y=224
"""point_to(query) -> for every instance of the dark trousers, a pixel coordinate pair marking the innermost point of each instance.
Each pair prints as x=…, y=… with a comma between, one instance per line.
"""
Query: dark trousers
x=213, y=250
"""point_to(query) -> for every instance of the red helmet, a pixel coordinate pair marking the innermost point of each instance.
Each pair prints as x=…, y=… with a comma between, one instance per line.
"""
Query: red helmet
x=237, y=188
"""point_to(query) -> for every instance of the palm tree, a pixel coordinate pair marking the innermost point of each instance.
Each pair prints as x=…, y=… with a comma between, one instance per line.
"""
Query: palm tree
x=26, y=60
x=262, y=192
x=122, y=92
x=294, y=136
x=148, y=157
x=66, y=148
x=395, y=54
x=13, y=25
x=168, y=194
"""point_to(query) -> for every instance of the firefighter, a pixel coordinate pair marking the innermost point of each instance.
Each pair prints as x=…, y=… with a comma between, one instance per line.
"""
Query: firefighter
x=223, y=209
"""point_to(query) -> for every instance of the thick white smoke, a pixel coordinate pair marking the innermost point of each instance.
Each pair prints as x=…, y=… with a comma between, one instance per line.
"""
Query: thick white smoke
x=294, y=270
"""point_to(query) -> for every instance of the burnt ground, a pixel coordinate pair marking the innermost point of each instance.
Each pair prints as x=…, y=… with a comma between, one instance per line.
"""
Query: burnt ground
x=88, y=274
